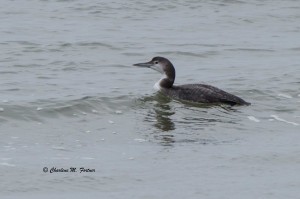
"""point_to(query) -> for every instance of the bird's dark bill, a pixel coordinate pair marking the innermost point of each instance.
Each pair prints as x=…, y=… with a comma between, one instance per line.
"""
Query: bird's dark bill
x=147, y=64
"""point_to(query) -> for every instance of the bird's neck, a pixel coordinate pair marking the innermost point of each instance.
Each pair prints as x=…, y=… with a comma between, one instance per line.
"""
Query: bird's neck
x=168, y=79
x=166, y=83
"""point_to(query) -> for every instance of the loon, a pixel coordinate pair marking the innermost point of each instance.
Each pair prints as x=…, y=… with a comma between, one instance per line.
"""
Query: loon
x=199, y=93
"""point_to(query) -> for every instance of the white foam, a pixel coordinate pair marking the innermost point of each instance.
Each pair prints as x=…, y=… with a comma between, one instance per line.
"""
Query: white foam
x=39, y=108
x=1, y=109
x=252, y=118
x=283, y=120
x=118, y=112
x=285, y=95
x=140, y=140
x=111, y=122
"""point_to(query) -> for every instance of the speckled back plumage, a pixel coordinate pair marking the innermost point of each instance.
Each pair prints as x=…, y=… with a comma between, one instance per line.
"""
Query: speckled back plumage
x=202, y=93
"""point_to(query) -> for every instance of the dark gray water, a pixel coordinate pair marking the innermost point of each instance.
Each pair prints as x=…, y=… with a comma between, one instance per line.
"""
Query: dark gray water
x=70, y=97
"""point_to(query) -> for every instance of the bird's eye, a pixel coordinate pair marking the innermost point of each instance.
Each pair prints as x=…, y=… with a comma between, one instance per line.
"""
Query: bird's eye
x=156, y=62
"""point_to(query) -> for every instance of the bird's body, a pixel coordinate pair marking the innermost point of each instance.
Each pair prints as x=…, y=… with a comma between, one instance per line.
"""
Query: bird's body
x=199, y=93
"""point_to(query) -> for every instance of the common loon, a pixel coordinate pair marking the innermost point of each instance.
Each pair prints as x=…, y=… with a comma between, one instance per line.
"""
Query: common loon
x=199, y=93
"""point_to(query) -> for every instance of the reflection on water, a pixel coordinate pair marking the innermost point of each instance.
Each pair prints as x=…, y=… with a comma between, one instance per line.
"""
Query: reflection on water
x=163, y=114
x=175, y=121
x=161, y=111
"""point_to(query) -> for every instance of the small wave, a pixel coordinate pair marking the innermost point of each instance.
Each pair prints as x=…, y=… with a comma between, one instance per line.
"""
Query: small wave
x=201, y=45
x=132, y=54
x=89, y=44
x=285, y=95
x=252, y=118
x=295, y=49
x=283, y=120
x=87, y=158
x=26, y=65
x=8, y=72
x=41, y=110
x=250, y=49
x=59, y=148
x=7, y=164
x=181, y=53
x=26, y=43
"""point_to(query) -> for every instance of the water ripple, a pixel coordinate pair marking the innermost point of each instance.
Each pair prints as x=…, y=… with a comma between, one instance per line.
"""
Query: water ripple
x=40, y=110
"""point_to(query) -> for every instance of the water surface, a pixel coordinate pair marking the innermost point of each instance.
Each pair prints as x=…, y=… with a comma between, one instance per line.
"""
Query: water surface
x=70, y=97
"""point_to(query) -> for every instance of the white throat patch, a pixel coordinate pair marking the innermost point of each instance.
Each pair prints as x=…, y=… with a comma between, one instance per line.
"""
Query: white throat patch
x=157, y=84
